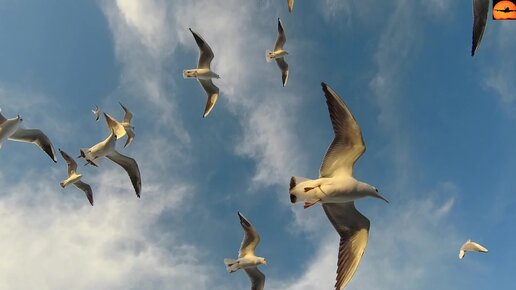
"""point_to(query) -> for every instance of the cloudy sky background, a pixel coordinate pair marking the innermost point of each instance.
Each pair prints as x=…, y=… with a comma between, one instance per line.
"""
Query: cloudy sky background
x=438, y=125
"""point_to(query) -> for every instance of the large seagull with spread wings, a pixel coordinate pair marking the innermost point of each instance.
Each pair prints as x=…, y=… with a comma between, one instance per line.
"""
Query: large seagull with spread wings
x=336, y=188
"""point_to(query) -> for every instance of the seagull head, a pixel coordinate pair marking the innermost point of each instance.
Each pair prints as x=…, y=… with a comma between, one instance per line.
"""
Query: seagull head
x=263, y=261
x=373, y=192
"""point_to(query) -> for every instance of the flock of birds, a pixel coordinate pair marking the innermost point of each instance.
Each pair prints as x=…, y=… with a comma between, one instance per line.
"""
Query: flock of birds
x=336, y=188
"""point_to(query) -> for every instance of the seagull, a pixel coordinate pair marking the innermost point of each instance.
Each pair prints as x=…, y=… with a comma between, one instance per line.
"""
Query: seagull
x=122, y=128
x=506, y=10
x=107, y=148
x=96, y=112
x=336, y=188
x=10, y=130
x=246, y=258
x=290, y=5
x=470, y=246
x=203, y=72
x=278, y=54
x=75, y=178
x=480, y=9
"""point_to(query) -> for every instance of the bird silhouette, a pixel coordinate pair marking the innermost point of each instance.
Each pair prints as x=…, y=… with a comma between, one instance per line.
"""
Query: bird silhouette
x=506, y=10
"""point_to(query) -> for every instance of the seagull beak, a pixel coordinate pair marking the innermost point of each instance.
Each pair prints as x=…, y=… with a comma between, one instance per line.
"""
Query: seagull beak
x=381, y=197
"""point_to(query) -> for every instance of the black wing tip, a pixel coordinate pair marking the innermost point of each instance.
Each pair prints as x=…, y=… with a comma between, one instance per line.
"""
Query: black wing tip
x=243, y=220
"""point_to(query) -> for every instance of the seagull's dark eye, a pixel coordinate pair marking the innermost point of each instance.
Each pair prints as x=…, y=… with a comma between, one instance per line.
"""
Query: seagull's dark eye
x=376, y=189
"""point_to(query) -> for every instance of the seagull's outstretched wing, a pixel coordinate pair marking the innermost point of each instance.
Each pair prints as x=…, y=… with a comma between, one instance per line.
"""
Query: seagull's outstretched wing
x=72, y=165
x=290, y=5
x=348, y=144
x=257, y=278
x=87, y=190
x=480, y=9
x=250, y=240
x=128, y=116
x=2, y=118
x=282, y=64
x=37, y=137
x=115, y=126
x=213, y=94
x=205, y=52
x=130, y=136
x=281, y=37
x=130, y=166
x=353, y=229
x=471, y=246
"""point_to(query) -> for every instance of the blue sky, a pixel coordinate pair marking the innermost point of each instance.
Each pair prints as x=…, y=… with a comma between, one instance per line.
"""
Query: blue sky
x=438, y=126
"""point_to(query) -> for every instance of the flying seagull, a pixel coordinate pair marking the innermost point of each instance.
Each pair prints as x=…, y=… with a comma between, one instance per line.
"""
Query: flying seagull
x=75, y=178
x=107, y=148
x=278, y=54
x=122, y=128
x=470, y=246
x=246, y=258
x=336, y=188
x=290, y=5
x=203, y=72
x=10, y=130
x=96, y=112
x=480, y=9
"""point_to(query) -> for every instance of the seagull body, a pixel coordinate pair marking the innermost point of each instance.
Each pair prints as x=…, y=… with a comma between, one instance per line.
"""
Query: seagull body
x=470, y=246
x=75, y=178
x=278, y=54
x=106, y=148
x=246, y=257
x=336, y=188
x=10, y=130
x=203, y=73
x=480, y=10
x=96, y=112
x=122, y=128
x=336, y=183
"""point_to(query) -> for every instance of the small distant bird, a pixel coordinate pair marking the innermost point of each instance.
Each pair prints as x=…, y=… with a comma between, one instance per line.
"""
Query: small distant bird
x=203, y=72
x=122, y=128
x=10, y=130
x=246, y=258
x=75, y=178
x=278, y=53
x=96, y=112
x=107, y=148
x=290, y=5
x=336, y=188
x=470, y=246
x=480, y=9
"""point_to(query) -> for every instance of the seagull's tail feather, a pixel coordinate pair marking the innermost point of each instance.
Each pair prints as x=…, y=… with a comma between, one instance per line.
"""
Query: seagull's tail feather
x=268, y=56
x=231, y=265
x=295, y=180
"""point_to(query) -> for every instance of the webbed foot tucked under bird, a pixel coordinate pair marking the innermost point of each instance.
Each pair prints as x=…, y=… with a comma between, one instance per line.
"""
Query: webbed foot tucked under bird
x=107, y=148
x=246, y=258
x=470, y=246
x=10, y=130
x=203, y=73
x=122, y=128
x=336, y=188
x=278, y=54
x=75, y=178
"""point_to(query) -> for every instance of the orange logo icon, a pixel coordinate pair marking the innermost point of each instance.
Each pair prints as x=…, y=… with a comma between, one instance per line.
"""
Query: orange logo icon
x=504, y=10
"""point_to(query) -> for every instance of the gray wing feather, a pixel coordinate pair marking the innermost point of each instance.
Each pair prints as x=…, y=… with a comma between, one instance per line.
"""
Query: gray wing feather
x=205, y=52
x=2, y=118
x=281, y=37
x=72, y=165
x=290, y=5
x=87, y=190
x=480, y=9
x=130, y=166
x=251, y=237
x=348, y=144
x=257, y=278
x=128, y=116
x=283, y=66
x=212, y=91
x=353, y=229
x=36, y=137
